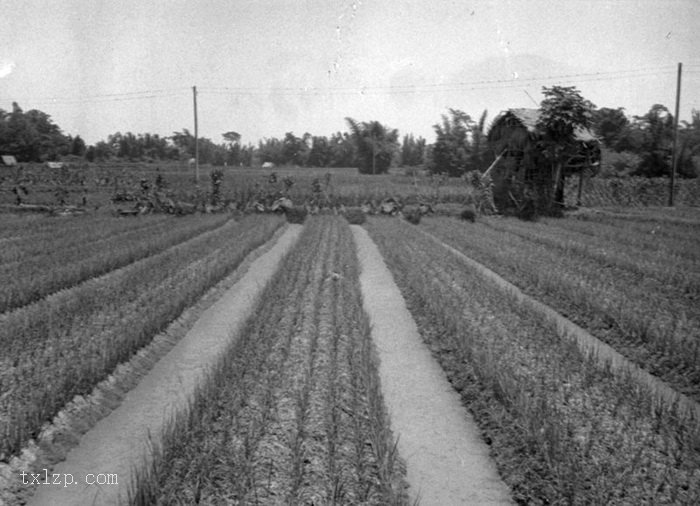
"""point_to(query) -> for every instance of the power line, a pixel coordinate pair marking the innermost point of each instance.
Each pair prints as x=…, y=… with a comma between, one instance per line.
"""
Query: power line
x=399, y=89
x=602, y=75
x=108, y=97
x=503, y=84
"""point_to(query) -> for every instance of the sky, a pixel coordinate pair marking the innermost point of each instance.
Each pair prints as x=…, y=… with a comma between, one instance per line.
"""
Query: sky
x=264, y=68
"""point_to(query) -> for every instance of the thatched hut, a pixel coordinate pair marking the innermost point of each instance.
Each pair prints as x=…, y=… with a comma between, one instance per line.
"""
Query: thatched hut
x=525, y=180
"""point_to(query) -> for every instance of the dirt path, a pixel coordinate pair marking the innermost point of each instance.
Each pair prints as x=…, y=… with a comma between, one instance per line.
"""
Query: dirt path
x=447, y=462
x=124, y=438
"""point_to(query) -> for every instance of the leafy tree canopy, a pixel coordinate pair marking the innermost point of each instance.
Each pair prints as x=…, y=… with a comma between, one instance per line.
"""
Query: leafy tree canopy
x=375, y=145
x=562, y=112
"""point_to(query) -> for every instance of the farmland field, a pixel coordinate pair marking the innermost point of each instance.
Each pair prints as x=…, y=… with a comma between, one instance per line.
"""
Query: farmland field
x=96, y=184
x=37, y=264
x=550, y=411
x=293, y=415
x=633, y=283
x=75, y=337
x=293, y=411
x=99, y=183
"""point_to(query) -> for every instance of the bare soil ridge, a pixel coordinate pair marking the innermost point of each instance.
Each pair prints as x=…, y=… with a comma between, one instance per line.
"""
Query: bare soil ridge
x=123, y=440
x=447, y=461
x=606, y=355
x=83, y=412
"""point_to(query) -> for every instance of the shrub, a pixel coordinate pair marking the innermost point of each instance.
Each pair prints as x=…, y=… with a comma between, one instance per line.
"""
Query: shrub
x=413, y=216
x=296, y=214
x=468, y=214
x=355, y=216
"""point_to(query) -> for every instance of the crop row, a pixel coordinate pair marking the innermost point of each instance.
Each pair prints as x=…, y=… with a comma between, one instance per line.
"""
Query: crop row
x=25, y=235
x=644, y=228
x=628, y=299
x=38, y=266
x=562, y=428
x=294, y=413
x=672, y=261
x=63, y=345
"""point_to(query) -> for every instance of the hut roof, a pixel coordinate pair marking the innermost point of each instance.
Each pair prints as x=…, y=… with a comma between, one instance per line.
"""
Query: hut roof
x=529, y=118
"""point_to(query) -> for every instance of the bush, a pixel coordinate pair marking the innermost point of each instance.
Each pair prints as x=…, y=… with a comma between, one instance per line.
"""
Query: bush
x=296, y=214
x=468, y=214
x=355, y=216
x=413, y=216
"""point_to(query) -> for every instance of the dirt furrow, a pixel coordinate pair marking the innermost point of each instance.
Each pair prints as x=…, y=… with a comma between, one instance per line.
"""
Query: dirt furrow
x=447, y=462
x=294, y=414
x=122, y=440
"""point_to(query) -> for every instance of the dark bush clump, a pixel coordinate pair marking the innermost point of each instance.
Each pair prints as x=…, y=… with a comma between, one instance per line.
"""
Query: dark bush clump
x=355, y=216
x=296, y=214
x=413, y=216
x=468, y=214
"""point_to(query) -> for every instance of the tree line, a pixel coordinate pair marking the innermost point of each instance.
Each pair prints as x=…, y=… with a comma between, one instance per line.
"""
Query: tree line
x=636, y=145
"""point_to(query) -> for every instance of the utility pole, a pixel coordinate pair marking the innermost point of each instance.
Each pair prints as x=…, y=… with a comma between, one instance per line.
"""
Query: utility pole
x=374, y=157
x=196, y=138
x=675, y=137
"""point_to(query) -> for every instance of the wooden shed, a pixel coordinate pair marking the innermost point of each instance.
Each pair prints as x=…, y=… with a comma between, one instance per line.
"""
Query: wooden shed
x=522, y=174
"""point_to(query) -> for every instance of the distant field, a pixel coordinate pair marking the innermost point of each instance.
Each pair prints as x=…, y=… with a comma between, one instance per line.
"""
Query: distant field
x=97, y=184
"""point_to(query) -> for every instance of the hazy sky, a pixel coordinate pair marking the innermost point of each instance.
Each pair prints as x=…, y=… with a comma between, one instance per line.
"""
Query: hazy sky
x=263, y=68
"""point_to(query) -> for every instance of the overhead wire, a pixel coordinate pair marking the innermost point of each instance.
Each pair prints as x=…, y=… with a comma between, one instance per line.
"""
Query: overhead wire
x=430, y=88
x=394, y=89
x=612, y=74
x=106, y=97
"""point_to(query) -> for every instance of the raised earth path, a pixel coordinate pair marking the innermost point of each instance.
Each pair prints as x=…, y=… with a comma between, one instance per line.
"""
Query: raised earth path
x=447, y=462
x=122, y=441
x=590, y=345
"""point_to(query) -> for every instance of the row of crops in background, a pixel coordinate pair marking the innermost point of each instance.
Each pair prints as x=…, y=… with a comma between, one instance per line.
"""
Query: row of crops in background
x=97, y=184
x=39, y=259
x=335, y=186
x=562, y=428
x=293, y=414
x=632, y=283
x=64, y=344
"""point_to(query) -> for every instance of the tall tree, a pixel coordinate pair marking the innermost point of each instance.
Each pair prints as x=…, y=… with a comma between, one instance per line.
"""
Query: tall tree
x=479, y=142
x=320, y=154
x=563, y=112
x=610, y=126
x=689, y=152
x=233, y=140
x=31, y=135
x=452, y=150
x=412, y=151
x=77, y=146
x=375, y=145
x=656, y=135
x=342, y=150
x=295, y=150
